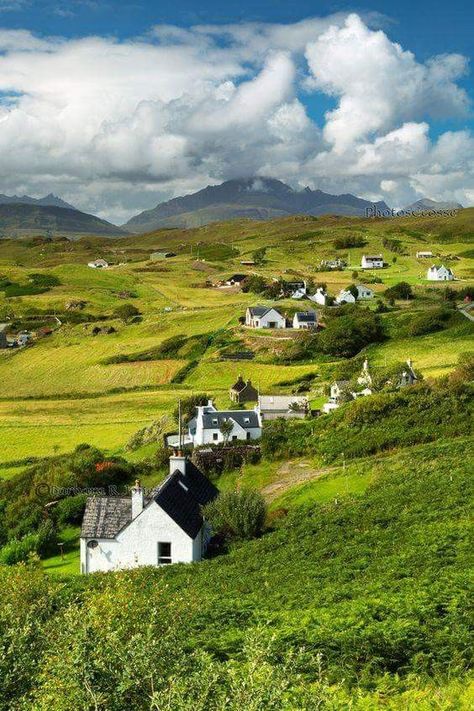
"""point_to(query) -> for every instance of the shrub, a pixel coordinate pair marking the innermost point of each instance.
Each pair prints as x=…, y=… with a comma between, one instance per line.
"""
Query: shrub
x=238, y=515
x=70, y=510
x=429, y=322
x=126, y=312
x=349, y=241
x=402, y=290
x=255, y=284
x=346, y=335
x=19, y=550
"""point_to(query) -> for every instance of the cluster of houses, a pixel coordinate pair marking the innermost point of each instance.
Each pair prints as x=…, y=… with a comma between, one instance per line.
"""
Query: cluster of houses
x=341, y=391
x=20, y=340
x=269, y=317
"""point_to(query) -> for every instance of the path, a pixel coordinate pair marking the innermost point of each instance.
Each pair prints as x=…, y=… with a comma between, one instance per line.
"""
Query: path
x=465, y=311
x=293, y=473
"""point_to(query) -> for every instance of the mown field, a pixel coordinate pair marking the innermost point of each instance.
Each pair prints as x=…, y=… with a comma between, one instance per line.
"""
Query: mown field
x=63, y=389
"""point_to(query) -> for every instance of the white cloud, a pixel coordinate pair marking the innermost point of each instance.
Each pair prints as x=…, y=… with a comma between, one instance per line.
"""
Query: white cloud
x=115, y=126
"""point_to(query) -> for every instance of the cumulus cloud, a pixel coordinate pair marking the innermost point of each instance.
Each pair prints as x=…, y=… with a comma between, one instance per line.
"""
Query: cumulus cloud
x=116, y=126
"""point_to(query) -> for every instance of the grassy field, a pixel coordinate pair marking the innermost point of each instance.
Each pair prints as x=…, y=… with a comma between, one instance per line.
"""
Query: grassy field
x=174, y=298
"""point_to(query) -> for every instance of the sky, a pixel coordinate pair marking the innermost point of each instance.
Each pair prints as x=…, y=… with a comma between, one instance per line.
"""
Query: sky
x=116, y=106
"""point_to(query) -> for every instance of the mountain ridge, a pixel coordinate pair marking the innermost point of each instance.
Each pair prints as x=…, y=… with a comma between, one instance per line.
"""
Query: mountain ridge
x=21, y=218
x=255, y=197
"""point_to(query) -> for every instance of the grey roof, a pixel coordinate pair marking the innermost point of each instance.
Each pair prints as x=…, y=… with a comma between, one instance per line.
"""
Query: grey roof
x=105, y=516
x=373, y=256
x=239, y=385
x=237, y=277
x=258, y=310
x=308, y=316
x=208, y=418
x=179, y=495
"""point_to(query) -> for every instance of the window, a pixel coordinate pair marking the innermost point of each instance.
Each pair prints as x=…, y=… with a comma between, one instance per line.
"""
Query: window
x=215, y=436
x=234, y=437
x=92, y=544
x=164, y=553
x=248, y=435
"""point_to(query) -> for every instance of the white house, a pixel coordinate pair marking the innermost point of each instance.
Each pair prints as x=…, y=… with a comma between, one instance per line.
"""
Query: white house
x=23, y=338
x=338, y=390
x=345, y=297
x=439, y=273
x=424, y=255
x=372, y=261
x=305, y=320
x=162, y=527
x=271, y=407
x=205, y=427
x=98, y=264
x=363, y=292
x=320, y=296
x=264, y=317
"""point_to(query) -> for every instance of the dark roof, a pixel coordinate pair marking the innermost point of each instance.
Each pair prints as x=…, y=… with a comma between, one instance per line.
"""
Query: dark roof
x=373, y=256
x=105, y=516
x=239, y=385
x=237, y=277
x=238, y=415
x=306, y=316
x=258, y=310
x=179, y=495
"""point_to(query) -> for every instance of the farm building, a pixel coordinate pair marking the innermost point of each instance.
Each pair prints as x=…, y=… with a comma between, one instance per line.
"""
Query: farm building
x=264, y=317
x=372, y=261
x=333, y=264
x=305, y=319
x=160, y=529
x=3, y=335
x=98, y=264
x=271, y=407
x=243, y=391
x=439, y=273
x=408, y=376
x=156, y=256
x=339, y=390
x=424, y=255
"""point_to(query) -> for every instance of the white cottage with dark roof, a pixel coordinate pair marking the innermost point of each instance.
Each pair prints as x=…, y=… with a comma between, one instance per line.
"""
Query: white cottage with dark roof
x=166, y=526
x=206, y=426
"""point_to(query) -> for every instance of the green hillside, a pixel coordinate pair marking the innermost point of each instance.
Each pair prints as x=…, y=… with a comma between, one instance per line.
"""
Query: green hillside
x=351, y=602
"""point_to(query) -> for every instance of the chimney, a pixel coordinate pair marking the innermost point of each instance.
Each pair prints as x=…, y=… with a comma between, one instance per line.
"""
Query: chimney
x=137, y=499
x=409, y=362
x=178, y=462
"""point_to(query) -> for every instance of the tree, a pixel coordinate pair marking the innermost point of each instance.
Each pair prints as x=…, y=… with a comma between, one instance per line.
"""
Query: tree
x=126, y=312
x=188, y=406
x=226, y=428
x=237, y=515
x=402, y=290
x=347, y=334
x=255, y=284
x=259, y=255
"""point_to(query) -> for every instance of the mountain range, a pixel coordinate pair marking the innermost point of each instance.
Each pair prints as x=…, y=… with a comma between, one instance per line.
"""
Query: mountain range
x=47, y=201
x=425, y=204
x=254, y=198
x=17, y=219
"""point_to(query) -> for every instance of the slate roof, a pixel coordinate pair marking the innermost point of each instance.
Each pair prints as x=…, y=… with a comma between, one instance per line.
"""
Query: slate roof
x=237, y=277
x=372, y=256
x=258, y=310
x=179, y=495
x=105, y=516
x=239, y=385
x=306, y=316
x=267, y=403
x=208, y=419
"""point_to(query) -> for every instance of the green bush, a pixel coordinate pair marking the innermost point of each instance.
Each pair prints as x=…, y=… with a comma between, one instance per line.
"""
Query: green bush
x=70, y=510
x=19, y=550
x=429, y=322
x=402, y=290
x=237, y=515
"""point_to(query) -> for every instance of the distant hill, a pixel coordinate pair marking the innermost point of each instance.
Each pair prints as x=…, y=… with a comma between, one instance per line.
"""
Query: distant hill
x=23, y=218
x=427, y=204
x=255, y=198
x=49, y=201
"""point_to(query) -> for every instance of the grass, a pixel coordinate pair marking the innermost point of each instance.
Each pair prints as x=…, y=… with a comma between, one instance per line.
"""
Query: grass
x=69, y=562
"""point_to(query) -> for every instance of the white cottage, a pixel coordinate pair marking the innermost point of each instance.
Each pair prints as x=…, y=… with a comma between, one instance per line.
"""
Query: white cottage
x=206, y=426
x=363, y=292
x=320, y=296
x=305, y=320
x=264, y=317
x=166, y=526
x=372, y=261
x=345, y=297
x=272, y=407
x=98, y=264
x=439, y=273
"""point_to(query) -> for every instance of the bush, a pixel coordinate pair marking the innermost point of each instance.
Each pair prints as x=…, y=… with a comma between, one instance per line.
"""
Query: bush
x=429, y=322
x=126, y=312
x=402, y=290
x=255, y=284
x=346, y=335
x=237, y=515
x=349, y=241
x=70, y=510
x=19, y=550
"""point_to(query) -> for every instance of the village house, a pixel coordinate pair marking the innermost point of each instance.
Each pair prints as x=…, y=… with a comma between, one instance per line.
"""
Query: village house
x=3, y=335
x=339, y=391
x=272, y=407
x=243, y=391
x=320, y=296
x=305, y=320
x=424, y=255
x=206, y=427
x=333, y=264
x=98, y=264
x=408, y=376
x=157, y=256
x=363, y=292
x=439, y=273
x=236, y=280
x=372, y=261
x=345, y=297
x=161, y=527
x=264, y=317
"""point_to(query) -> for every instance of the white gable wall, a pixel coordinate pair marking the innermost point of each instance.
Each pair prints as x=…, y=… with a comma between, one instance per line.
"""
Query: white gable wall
x=137, y=544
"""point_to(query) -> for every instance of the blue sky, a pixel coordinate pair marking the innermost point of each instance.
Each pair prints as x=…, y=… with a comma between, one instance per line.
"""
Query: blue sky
x=431, y=130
